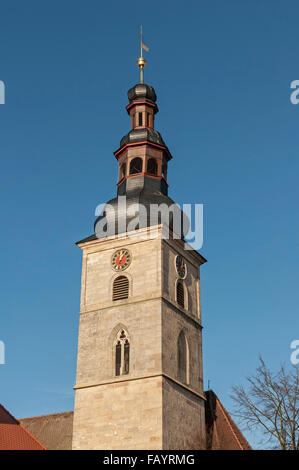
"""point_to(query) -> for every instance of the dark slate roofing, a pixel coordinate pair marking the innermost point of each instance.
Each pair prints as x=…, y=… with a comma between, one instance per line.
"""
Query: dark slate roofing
x=13, y=436
x=87, y=239
x=54, y=430
x=142, y=135
x=142, y=91
x=222, y=431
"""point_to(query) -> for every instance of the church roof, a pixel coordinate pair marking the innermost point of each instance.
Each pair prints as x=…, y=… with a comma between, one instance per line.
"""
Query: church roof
x=222, y=431
x=13, y=436
x=55, y=430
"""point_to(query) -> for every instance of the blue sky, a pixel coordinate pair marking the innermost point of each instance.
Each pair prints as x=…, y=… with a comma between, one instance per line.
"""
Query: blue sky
x=222, y=73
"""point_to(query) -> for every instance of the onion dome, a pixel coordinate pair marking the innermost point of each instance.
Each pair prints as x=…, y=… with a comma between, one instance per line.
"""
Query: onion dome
x=141, y=92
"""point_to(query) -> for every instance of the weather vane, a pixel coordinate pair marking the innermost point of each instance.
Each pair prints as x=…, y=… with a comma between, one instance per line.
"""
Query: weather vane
x=141, y=62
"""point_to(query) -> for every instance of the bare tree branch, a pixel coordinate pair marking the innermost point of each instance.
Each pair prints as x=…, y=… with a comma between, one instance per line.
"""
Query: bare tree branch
x=270, y=403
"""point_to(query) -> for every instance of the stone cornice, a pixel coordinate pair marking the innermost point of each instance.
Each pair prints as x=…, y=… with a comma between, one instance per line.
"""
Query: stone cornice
x=129, y=301
x=140, y=377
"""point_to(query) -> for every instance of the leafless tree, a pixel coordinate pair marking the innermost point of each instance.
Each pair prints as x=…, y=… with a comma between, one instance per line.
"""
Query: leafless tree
x=271, y=403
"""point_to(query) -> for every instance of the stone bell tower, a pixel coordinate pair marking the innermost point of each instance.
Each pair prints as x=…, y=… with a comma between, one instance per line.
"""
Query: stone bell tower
x=139, y=381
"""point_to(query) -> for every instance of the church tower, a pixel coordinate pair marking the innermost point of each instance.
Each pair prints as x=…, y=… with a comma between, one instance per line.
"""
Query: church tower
x=139, y=381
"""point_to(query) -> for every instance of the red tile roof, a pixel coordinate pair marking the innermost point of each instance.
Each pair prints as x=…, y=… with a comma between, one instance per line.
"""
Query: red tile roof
x=222, y=431
x=13, y=436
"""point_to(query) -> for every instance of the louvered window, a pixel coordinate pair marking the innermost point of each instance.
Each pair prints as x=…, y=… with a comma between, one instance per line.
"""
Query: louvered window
x=180, y=294
x=120, y=288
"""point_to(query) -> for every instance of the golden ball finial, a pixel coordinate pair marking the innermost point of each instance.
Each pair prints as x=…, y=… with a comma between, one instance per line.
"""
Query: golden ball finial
x=141, y=62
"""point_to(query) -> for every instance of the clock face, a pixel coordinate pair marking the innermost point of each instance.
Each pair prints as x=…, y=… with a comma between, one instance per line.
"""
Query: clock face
x=181, y=267
x=121, y=259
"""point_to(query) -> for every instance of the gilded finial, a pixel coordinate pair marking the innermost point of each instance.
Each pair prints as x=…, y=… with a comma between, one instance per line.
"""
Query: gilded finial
x=141, y=62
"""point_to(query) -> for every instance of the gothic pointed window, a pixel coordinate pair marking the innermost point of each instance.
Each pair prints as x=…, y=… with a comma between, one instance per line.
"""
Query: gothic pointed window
x=183, y=358
x=180, y=294
x=152, y=167
x=120, y=288
x=122, y=353
x=117, y=358
x=126, y=356
x=136, y=166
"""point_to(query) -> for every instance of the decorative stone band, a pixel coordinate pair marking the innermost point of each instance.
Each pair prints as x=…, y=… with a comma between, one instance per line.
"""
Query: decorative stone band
x=141, y=377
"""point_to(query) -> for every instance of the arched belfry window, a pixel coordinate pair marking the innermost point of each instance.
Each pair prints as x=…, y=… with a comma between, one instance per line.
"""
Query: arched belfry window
x=136, y=166
x=152, y=167
x=120, y=288
x=122, y=353
x=123, y=170
x=164, y=171
x=183, y=358
x=180, y=294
